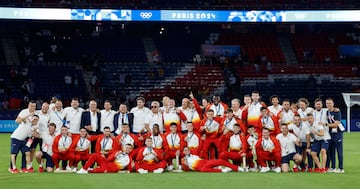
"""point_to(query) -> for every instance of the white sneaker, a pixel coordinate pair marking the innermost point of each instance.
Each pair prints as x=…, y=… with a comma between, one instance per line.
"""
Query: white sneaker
x=252, y=169
x=341, y=171
x=68, y=168
x=264, y=169
x=74, y=169
x=82, y=171
x=226, y=170
x=57, y=170
x=277, y=170
x=331, y=170
x=240, y=169
x=159, y=170
x=170, y=168
x=142, y=171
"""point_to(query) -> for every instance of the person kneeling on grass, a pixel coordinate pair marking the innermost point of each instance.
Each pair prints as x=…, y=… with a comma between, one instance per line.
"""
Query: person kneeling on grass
x=149, y=159
x=116, y=162
x=46, y=150
x=195, y=163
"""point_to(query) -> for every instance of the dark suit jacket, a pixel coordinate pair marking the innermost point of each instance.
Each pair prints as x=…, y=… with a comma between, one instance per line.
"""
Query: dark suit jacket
x=117, y=116
x=86, y=120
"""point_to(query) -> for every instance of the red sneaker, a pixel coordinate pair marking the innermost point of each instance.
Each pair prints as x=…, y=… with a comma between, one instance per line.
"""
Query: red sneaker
x=310, y=170
x=303, y=170
x=30, y=170
x=41, y=170
x=14, y=171
x=323, y=170
x=295, y=170
x=317, y=170
x=23, y=170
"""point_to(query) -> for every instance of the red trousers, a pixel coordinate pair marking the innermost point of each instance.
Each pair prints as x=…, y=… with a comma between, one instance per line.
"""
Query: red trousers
x=210, y=165
x=103, y=166
x=79, y=156
x=207, y=144
x=170, y=155
x=234, y=156
x=56, y=157
x=150, y=167
x=264, y=156
x=250, y=159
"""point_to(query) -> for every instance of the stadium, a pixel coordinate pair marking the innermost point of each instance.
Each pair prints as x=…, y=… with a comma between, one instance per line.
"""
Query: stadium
x=181, y=60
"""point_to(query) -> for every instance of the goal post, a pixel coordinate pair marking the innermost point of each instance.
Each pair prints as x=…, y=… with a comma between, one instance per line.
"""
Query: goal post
x=350, y=99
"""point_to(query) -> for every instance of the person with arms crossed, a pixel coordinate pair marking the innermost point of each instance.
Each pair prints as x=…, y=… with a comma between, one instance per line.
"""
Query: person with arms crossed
x=140, y=113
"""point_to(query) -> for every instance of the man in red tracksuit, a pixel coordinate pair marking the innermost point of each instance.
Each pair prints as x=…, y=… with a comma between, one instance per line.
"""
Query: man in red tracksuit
x=268, y=149
x=149, y=159
x=237, y=147
x=61, y=148
x=117, y=161
x=174, y=144
x=195, y=163
x=80, y=148
x=125, y=137
x=192, y=139
x=106, y=144
x=211, y=133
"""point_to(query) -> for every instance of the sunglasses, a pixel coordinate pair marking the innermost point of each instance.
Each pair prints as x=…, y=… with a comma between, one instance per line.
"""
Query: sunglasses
x=153, y=106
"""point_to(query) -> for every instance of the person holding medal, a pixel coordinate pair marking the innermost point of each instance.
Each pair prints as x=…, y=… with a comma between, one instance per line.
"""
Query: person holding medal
x=149, y=159
x=268, y=149
x=61, y=148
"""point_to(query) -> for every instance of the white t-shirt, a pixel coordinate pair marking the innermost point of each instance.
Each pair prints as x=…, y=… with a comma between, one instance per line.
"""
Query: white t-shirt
x=139, y=118
x=318, y=128
x=300, y=131
x=43, y=122
x=287, y=143
x=267, y=122
x=157, y=142
x=22, y=131
x=152, y=118
x=219, y=110
x=48, y=141
x=25, y=112
x=320, y=116
x=173, y=140
x=287, y=117
x=57, y=117
x=83, y=144
x=107, y=119
x=303, y=113
x=73, y=119
x=94, y=121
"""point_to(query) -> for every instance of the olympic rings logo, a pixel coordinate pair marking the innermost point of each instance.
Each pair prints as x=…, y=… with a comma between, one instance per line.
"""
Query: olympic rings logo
x=357, y=124
x=145, y=15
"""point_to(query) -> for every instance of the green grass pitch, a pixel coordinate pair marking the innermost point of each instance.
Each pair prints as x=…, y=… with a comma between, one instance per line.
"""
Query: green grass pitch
x=351, y=179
